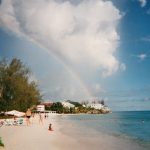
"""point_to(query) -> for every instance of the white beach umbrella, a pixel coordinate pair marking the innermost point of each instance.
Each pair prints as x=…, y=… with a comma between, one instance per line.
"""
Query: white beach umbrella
x=15, y=113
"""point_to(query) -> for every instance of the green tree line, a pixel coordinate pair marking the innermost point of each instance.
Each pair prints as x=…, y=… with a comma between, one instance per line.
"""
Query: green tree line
x=59, y=108
x=16, y=91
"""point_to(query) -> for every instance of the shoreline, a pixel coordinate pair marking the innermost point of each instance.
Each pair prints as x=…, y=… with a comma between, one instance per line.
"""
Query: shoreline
x=36, y=136
x=66, y=136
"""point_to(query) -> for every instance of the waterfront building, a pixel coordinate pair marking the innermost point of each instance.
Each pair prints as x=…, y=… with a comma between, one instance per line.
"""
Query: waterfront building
x=67, y=104
x=40, y=108
x=95, y=106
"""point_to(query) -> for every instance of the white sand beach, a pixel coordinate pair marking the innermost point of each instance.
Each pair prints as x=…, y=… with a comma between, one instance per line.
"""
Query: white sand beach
x=35, y=136
x=38, y=137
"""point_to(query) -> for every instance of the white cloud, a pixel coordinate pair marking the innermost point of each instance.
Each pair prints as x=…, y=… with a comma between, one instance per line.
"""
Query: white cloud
x=148, y=11
x=147, y=39
x=79, y=34
x=142, y=56
x=82, y=35
x=7, y=17
x=123, y=67
x=143, y=3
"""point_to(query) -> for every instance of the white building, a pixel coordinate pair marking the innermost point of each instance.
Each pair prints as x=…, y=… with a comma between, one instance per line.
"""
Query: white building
x=67, y=104
x=40, y=108
x=95, y=106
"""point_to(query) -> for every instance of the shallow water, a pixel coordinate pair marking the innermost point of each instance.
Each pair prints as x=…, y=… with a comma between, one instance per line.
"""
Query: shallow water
x=118, y=130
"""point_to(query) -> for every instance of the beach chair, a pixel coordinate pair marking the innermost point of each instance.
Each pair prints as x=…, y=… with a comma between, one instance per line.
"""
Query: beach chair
x=15, y=122
x=20, y=121
x=8, y=122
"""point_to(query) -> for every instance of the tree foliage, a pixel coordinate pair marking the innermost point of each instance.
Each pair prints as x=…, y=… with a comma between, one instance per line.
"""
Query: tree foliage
x=16, y=92
x=58, y=107
x=1, y=143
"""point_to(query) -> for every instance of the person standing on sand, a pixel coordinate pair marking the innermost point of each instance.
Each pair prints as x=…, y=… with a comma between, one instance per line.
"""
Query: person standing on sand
x=28, y=115
x=40, y=118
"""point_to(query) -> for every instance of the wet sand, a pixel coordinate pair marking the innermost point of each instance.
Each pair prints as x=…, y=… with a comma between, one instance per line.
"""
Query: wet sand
x=96, y=141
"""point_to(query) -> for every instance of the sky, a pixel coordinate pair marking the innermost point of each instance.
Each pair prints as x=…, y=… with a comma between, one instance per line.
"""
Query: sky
x=82, y=50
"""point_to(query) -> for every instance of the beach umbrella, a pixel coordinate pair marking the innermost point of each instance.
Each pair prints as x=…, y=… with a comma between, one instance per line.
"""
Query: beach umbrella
x=15, y=113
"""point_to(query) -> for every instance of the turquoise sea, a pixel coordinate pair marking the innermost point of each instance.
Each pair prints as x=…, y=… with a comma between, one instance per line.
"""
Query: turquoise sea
x=132, y=126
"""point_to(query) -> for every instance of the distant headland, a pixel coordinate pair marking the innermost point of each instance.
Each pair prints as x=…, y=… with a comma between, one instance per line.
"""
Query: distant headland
x=73, y=107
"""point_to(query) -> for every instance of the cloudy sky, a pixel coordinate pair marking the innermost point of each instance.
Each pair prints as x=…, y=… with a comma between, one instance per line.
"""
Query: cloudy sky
x=83, y=49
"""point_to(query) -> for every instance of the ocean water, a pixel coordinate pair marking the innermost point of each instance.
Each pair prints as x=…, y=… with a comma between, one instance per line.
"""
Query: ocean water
x=131, y=127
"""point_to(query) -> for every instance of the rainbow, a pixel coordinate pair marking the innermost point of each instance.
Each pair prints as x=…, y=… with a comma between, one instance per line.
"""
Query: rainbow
x=70, y=71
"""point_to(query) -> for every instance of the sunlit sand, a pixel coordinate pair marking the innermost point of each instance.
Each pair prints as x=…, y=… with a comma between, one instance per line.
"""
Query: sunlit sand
x=36, y=136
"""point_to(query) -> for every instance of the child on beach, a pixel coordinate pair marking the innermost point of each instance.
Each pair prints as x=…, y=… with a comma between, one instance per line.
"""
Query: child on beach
x=50, y=127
